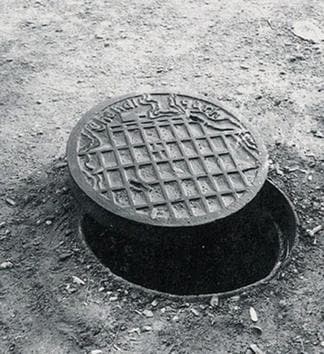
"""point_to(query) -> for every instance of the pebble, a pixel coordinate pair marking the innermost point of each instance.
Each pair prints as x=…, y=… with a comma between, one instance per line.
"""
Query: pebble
x=77, y=280
x=283, y=303
x=253, y=315
x=256, y=349
x=146, y=328
x=10, y=202
x=195, y=312
x=257, y=330
x=60, y=164
x=175, y=318
x=314, y=230
x=148, y=313
x=64, y=256
x=214, y=301
x=235, y=298
x=308, y=30
x=6, y=265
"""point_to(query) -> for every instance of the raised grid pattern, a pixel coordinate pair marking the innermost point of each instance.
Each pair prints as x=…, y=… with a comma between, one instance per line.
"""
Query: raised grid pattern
x=169, y=168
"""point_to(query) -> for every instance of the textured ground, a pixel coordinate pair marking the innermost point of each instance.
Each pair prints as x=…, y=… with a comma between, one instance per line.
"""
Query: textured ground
x=57, y=60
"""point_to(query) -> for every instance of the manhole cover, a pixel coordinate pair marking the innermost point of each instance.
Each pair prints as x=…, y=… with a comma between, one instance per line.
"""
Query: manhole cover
x=166, y=159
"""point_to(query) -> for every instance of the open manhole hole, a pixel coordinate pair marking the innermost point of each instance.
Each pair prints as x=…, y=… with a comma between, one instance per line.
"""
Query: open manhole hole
x=175, y=195
x=222, y=258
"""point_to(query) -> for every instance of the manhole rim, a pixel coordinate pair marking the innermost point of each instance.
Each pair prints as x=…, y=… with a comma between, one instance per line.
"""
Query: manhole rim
x=285, y=253
x=100, y=202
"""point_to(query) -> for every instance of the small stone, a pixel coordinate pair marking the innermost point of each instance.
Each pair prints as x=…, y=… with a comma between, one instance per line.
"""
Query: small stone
x=148, y=313
x=307, y=30
x=253, y=315
x=113, y=298
x=256, y=349
x=48, y=222
x=175, y=318
x=283, y=303
x=314, y=231
x=60, y=164
x=195, y=312
x=235, y=298
x=10, y=201
x=277, y=169
x=6, y=265
x=77, y=280
x=322, y=344
x=2, y=224
x=214, y=301
x=257, y=330
x=64, y=256
x=154, y=303
x=146, y=328
x=96, y=351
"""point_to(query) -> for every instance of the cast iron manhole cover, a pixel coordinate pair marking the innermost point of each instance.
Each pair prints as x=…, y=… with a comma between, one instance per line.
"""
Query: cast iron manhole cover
x=166, y=159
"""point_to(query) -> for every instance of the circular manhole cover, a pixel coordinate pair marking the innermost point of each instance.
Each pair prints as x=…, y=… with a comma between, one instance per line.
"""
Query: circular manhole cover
x=166, y=159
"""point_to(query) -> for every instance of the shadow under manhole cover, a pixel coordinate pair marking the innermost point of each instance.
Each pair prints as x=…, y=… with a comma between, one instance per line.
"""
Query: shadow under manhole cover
x=175, y=192
x=221, y=258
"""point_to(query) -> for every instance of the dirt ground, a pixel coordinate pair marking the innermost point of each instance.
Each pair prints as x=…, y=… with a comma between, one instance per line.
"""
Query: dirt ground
x=60, y=58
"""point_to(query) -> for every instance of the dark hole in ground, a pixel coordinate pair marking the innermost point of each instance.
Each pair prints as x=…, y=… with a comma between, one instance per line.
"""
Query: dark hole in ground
x=223, y=256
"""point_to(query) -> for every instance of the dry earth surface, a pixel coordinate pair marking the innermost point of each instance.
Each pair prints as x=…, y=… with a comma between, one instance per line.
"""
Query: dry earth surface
x=57, y=60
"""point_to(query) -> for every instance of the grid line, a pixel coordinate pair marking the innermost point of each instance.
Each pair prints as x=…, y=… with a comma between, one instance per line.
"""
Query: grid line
x=121, y=170
x=154, y=165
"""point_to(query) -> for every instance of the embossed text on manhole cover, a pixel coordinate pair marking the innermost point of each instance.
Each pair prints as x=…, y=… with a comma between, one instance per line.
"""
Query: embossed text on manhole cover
x=166, y=159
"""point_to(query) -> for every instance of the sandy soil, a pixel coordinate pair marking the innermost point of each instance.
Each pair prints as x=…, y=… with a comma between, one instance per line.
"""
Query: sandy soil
x=57, y=60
